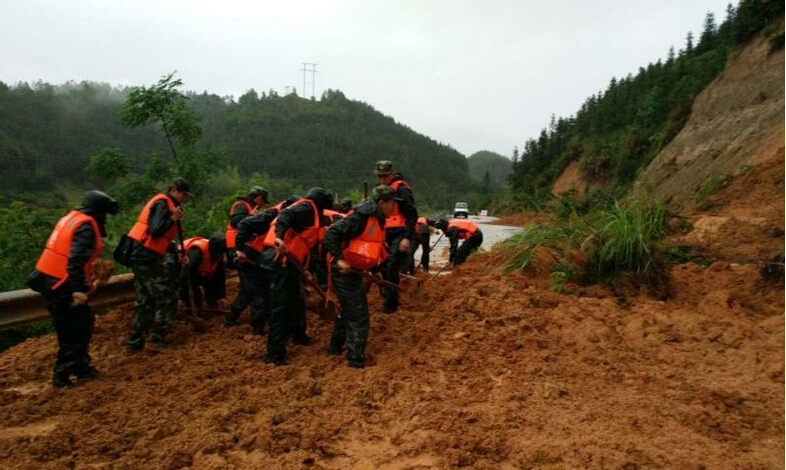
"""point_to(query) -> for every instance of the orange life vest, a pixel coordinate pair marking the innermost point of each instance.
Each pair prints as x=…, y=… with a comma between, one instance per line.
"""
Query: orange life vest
x=332, y=216
x=207, y=267
x=139, y=231
x=395, y=219
x=368, y=249
x=232, y=231
x=54, y=259
x=258, y=243
x=298, y=244
x=466, y=228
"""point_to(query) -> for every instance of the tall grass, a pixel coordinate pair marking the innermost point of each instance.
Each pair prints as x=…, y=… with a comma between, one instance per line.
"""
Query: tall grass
x=615, y=239
x=624, y=239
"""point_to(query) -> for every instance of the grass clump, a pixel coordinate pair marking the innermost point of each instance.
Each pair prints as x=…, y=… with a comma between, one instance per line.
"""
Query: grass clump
x=609, y=242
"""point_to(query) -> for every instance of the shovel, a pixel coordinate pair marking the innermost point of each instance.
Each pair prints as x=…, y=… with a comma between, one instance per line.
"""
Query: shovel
x=332, y=304
x=440, y=271
x=192, y=309
x=430, y=250
x=417, y=290
x=416, y=293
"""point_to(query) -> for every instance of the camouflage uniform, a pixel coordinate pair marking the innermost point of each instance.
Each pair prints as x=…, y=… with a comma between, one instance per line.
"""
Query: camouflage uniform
x=156, y=300
x=155, y=281
x=352, y=324
x=397, y=260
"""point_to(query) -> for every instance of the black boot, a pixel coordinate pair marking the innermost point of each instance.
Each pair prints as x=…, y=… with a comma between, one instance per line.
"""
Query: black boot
x=230, y=319
x=88, y=373
x=61, y=380
x=279, y=361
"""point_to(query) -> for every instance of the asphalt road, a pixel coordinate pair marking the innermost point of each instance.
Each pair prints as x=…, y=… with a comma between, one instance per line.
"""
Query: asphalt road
x=491, y=235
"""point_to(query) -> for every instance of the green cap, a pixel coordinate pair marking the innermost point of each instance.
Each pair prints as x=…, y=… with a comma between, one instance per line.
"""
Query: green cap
x=384, y=167
x=384, y=192
x=259, y=191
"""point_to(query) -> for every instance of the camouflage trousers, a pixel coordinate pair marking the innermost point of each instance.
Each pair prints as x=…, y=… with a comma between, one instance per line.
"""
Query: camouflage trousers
x=156, y=302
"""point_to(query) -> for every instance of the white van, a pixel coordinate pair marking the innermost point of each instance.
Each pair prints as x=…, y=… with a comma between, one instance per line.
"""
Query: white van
x=461, y=210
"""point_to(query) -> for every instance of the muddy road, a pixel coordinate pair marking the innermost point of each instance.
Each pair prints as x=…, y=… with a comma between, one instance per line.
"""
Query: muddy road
x=492, y=234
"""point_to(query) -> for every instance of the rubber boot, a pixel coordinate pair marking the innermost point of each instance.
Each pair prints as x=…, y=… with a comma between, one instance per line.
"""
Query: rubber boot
x=61, y=380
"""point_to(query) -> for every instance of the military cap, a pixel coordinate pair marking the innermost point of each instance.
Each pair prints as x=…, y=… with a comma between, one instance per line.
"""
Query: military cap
x=384, y=167
x=259, y=191
x=384, y=192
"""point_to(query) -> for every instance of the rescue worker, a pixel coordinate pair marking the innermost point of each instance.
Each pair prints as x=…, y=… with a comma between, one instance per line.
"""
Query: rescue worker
x=422, y=239
x=63, y=277
x=153, y=239
x=456, y=230
x=251, y=204
x=345, y=205
x=254, y=280
x=287, y=246
x=206, y=270
x=399, y=230
x=318, y=264
x=356, y=244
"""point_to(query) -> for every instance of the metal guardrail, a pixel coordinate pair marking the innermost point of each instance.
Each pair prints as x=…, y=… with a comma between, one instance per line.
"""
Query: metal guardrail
x=22, y=307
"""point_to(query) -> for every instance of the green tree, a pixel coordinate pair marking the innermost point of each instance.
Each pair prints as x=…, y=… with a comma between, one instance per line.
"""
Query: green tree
x=165, y=105
x=109, y=165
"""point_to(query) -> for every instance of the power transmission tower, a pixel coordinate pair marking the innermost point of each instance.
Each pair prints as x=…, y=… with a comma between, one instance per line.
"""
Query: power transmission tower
x=313, y=71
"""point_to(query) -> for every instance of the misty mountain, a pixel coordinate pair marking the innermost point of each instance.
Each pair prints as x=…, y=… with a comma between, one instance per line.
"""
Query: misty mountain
x=497, y=166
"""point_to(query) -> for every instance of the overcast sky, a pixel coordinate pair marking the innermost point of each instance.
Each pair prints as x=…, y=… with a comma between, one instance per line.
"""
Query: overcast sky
x=475, y=75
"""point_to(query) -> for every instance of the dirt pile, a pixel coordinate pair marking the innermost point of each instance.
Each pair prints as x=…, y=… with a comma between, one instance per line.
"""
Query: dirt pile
x=489, y=371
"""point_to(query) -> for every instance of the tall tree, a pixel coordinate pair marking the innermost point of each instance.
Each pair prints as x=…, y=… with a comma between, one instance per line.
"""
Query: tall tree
x=165, y=105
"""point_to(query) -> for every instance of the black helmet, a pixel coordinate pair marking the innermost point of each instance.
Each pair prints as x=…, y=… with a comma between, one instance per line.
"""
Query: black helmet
x=290, y=200
x=346, y=204
x=441, y=224
x=217, y=244
x=98, y=203
x=320, y=196
x=257, y=191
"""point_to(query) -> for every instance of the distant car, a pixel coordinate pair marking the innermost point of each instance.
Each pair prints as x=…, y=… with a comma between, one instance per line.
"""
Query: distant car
x=461, y=210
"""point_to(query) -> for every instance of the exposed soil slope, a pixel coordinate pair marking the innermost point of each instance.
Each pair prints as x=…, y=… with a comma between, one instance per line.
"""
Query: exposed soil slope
x=732, y=121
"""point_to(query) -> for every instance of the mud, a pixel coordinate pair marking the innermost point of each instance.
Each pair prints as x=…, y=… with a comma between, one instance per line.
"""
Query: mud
x=485, y=371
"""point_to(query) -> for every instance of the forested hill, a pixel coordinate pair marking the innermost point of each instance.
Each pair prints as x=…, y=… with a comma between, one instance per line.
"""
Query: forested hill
x=48, y=133
x=489, y=168
x=617, y=132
